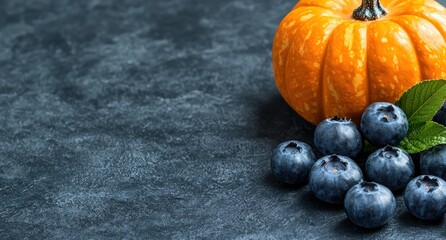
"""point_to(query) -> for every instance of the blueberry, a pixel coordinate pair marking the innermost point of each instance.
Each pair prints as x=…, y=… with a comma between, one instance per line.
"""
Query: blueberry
x=338, y=136
x=384, y=124
x=440, y=117
x=369, y=204
x=291, y=162
x=332, y=176
x=425, y=197
x=391, y=167
x=433, y=161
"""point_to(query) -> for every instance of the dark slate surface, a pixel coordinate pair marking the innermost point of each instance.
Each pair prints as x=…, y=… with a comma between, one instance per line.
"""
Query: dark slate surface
x=153, y=119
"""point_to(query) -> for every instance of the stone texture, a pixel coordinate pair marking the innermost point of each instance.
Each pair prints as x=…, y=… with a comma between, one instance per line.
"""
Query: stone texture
x=153, y=120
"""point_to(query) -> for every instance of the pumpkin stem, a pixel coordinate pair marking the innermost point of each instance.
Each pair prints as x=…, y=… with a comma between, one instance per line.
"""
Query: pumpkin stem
x=369, y=10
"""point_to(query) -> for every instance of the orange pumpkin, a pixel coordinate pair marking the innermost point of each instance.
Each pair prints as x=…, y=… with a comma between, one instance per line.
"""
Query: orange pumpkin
x=331, y=57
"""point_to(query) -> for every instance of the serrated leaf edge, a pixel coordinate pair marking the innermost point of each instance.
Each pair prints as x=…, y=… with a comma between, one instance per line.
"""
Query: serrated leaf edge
x=416, y=88
x=424, y=104
x=412, y=145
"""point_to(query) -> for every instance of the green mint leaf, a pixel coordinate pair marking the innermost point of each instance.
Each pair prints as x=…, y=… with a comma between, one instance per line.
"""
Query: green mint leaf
x=422, y=101
x=423, y=136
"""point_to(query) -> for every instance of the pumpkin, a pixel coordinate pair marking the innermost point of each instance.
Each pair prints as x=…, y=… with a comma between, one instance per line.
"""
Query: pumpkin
x=335, y=57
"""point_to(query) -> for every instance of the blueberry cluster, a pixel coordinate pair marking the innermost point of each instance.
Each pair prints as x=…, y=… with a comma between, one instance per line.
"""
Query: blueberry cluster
x=337, y=179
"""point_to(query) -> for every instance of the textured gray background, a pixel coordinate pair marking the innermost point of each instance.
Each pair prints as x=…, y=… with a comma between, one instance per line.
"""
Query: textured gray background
x=153, y=119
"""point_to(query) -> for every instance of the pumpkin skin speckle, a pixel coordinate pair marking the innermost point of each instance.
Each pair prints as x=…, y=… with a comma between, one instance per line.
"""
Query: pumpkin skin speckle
x=337, y=65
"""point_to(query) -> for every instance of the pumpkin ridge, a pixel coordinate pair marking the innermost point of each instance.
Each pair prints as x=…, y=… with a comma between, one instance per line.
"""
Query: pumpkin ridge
x=321, y=76
x=315, y=6
x=325, y=8
x=342, y=8
x=291, y=39
x=413, y=45
x=396, y=4
x=287, y=89
x=286, y=83
x=311, y=6
x=315, y=118
x=367, y=43
x=391, y=4
x=416, y=4
x=443, y=34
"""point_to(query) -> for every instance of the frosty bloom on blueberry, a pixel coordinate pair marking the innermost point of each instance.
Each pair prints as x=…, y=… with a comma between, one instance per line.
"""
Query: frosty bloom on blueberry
x=433, y=161
x=332, y=176
x=291, y=162
x=391, y=167
x=384, y=124
x=425, y=197
x=369, y=204
x=338, y=136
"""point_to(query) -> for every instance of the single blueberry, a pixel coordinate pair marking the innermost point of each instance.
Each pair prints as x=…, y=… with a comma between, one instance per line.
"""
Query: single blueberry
x=433, y=161
x=425, y=197
x=440, y=117
x=369, y=204
x=391, y=167
x=384, y=124
x=338, y=136
x=291, y=162
x=332, y=176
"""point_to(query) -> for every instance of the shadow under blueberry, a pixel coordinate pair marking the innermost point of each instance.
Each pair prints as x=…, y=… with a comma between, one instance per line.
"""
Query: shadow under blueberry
x=278, y=121
x=272, y=181
x=416, y=161
x=408, y=219
x=361, y=160
x=346, y=227
x=313, y=204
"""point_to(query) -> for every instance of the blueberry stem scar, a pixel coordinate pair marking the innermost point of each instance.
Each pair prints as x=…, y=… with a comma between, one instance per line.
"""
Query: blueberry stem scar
x=389, y=152
x=427, y=183
x=369, y=187
x=293, y=145
x=335, y=164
